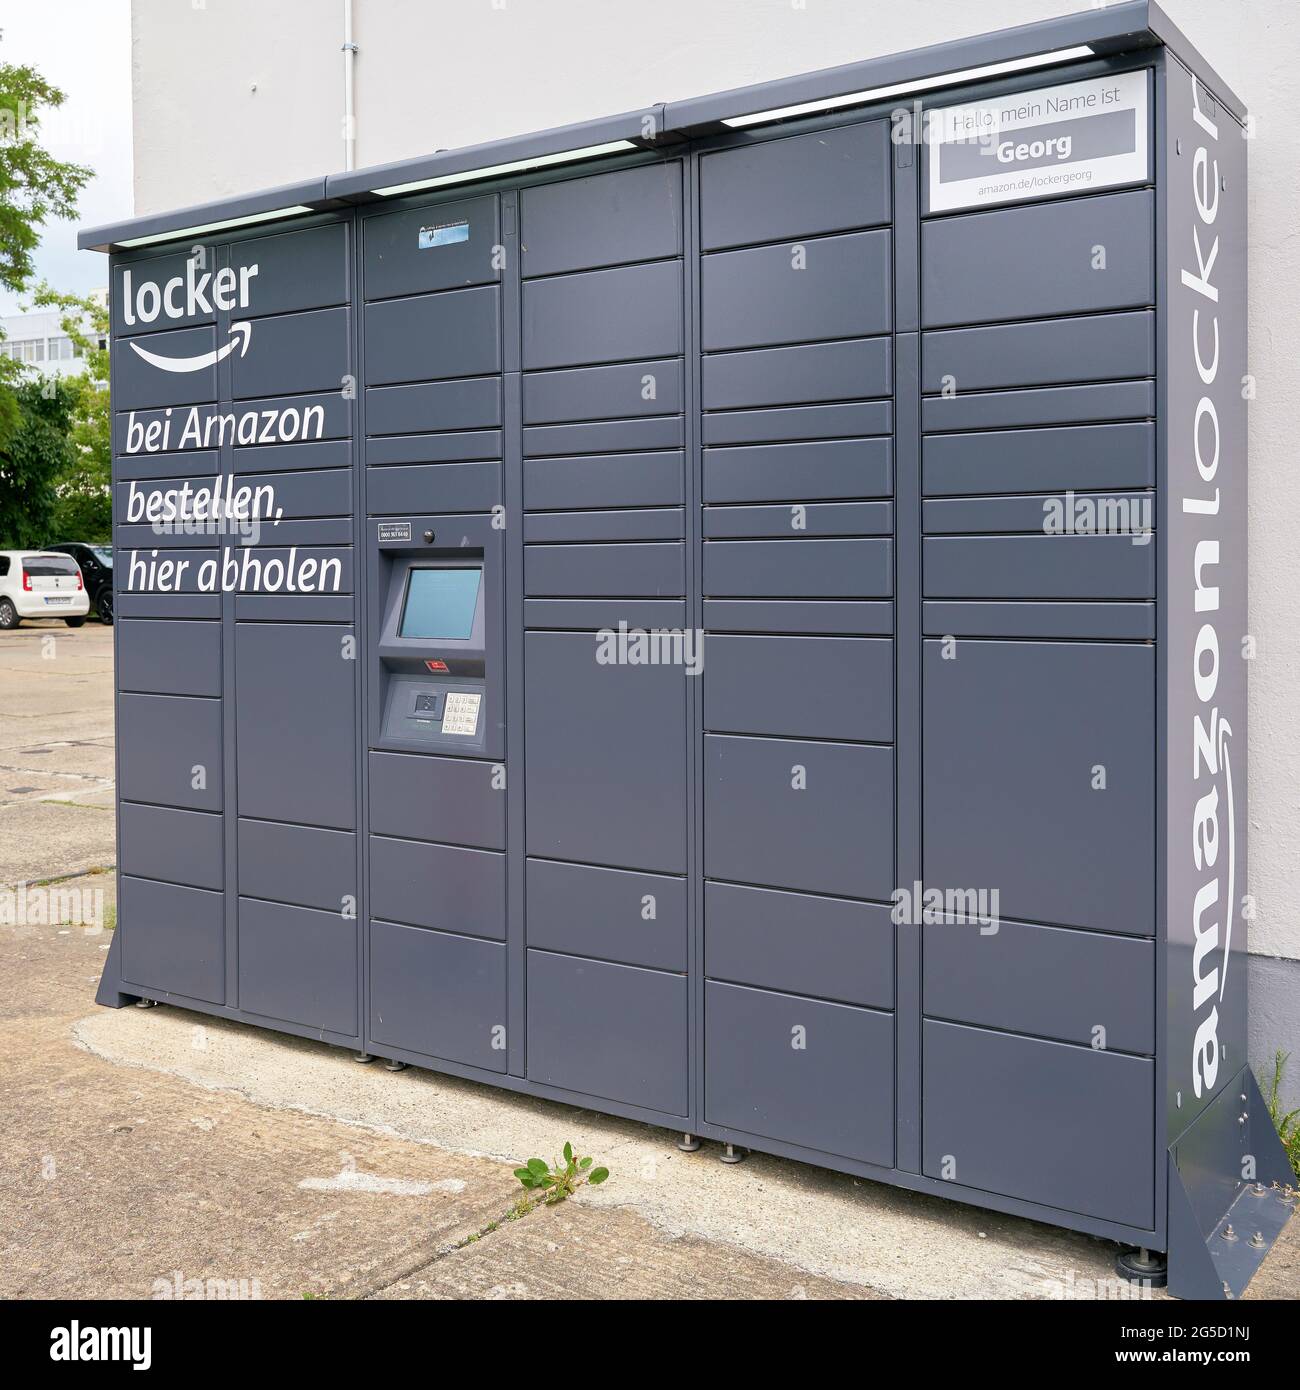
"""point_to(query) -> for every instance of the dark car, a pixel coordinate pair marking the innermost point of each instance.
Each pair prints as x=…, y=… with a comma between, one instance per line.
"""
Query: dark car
x=96, y=562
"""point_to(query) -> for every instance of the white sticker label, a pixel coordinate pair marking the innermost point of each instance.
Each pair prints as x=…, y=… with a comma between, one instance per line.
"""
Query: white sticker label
x=445, y=234
x=1070, y=139
x=460, y=713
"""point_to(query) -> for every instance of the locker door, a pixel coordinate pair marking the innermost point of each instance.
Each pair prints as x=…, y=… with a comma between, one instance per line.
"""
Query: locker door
x=296, y=710
x=606, y=750
x=1040, y=779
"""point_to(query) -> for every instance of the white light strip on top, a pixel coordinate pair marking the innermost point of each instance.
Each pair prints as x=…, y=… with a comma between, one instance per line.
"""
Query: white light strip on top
x=513, y=167
x=921, y=84
x=229, y=222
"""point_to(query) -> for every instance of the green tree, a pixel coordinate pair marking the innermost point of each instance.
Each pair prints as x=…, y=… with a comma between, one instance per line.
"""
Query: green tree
x=37, y=454
x=34, y=188
x=83, y=508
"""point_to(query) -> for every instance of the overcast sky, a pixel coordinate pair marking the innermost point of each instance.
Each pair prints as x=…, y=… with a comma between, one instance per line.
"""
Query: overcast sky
x=84, y=47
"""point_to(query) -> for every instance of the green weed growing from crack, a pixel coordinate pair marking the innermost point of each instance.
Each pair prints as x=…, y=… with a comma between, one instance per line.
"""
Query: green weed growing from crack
x=1286, y=1122
x=545, y=1184
x=551, y=1183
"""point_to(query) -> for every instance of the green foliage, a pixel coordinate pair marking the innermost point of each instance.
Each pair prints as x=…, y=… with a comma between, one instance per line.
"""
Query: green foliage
x=11, y=375
x=36, y=455
x=1286, y=1123
x=34, y=189
x=84, y=505
x=34, y=186
x=553, y=1182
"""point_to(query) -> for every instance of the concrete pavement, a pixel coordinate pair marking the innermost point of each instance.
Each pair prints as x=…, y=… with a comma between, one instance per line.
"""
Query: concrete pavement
x=56, y=750
x=137, y=1163
x=150, y=1152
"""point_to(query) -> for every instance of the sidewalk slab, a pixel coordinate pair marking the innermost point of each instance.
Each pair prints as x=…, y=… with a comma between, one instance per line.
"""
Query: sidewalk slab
x=816, y=1223
x=41, y=839
x=571, y=1252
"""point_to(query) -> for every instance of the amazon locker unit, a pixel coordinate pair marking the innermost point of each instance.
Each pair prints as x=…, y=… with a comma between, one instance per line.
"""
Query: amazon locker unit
x=731, y=615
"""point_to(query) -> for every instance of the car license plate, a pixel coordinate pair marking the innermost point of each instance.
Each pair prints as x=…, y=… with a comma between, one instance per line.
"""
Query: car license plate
x=67, y=599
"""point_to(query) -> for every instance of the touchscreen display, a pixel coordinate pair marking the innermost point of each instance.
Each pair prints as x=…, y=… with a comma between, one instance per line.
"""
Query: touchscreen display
x=440, y=604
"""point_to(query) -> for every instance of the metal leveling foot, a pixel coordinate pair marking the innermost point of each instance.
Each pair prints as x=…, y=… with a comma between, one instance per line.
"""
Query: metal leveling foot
x=1142, y=1267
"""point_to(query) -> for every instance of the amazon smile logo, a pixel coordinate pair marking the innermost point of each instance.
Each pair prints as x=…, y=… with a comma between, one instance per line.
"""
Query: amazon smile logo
x=187, y=296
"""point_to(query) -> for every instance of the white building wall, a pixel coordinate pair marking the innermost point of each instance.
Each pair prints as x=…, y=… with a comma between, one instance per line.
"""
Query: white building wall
x=37, y=339
x=233, y=95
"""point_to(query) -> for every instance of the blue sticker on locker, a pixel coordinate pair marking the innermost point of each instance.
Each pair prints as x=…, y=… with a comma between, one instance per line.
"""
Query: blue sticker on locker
x=445, y=235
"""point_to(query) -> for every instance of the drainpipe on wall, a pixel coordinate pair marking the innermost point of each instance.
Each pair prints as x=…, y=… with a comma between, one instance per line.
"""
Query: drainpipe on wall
x=349, y=80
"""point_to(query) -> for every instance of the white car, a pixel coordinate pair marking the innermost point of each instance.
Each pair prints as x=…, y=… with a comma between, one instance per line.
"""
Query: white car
x=41, y=584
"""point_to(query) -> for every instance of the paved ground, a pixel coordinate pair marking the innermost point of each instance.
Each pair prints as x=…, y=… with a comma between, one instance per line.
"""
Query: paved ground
x=141, y=1149
x=56, y=750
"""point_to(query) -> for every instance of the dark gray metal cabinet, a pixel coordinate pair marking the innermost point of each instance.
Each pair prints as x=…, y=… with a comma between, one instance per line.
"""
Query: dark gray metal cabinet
x=169, y=658
x=606, y=757
x=603, y=1029
x=812, y=815
x=175, y=941
x=1091, y=1151
x=437, y=994
x=277, y=726
x=806, y=1071
x=828, y=948
x=1058, y=739
x=176, y=745
x=159, y=842
x=453, y=333
x=627, y=918
x=603, y=315
x=774, y=677
x=299, y=965
x=1040, y=259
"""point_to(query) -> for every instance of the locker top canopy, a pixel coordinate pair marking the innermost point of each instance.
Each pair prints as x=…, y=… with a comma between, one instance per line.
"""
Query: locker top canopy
x=1095, y=33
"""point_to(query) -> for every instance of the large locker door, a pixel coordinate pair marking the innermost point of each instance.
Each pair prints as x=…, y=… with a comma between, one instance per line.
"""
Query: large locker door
x=606, y=757
x=798, y=580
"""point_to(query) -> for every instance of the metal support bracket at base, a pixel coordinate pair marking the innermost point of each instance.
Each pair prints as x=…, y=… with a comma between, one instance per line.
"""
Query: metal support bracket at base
x=110, y=993
x=1231, y=1191
x=689, y=1143
x=731, y=1154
